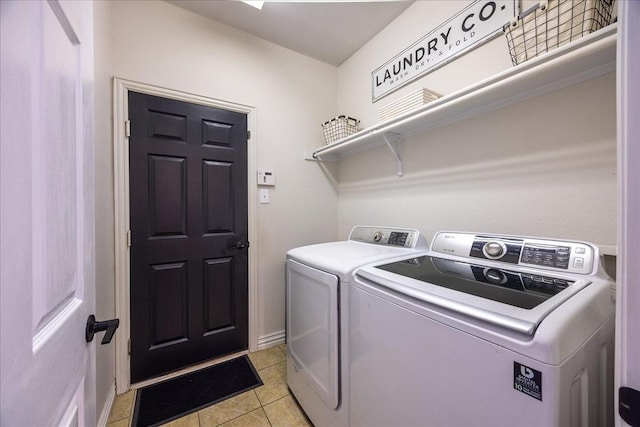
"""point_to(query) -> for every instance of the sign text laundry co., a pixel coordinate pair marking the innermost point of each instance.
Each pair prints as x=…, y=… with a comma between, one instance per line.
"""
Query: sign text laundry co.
x=472, y=26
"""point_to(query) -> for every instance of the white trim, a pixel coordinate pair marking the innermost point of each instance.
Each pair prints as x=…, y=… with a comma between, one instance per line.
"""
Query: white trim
x=106, y=409
x=271, y=340
x=627, y=270
x=121, y=88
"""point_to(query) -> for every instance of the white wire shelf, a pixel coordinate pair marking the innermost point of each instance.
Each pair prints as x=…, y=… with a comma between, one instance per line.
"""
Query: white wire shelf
x=583, y=59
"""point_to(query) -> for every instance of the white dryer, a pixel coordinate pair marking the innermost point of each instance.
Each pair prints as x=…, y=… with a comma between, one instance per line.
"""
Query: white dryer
x=484, y=330
x=317, y=278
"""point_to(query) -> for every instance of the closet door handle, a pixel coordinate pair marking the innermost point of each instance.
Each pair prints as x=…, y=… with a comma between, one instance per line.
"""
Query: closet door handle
x=93, y=326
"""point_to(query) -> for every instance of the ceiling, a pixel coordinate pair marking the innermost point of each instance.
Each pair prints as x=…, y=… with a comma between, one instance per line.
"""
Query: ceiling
x=330, y=31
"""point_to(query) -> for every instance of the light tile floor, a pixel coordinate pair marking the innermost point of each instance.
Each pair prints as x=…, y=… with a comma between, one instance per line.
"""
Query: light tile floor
x=270, y=405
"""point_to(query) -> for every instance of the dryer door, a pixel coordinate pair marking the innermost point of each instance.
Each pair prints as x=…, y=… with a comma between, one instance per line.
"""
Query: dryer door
x=312, y=329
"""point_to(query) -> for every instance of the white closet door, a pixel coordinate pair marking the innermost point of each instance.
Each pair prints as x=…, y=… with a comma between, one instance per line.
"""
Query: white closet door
x=47, y=213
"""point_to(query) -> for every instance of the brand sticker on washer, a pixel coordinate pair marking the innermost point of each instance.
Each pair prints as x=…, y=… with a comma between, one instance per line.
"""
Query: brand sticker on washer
x=527, y=380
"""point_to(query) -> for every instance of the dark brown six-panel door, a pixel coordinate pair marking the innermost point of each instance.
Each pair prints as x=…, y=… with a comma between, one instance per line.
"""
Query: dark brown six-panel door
x=189, y=257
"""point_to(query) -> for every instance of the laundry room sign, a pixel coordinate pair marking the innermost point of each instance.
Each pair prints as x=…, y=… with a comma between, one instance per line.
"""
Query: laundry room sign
x=475, y=24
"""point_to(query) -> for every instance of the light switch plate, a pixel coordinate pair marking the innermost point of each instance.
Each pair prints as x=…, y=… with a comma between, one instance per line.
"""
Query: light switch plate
x=264, y=195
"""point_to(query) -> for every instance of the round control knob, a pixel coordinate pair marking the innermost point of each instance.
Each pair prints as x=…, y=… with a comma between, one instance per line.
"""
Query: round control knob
x=377, y=236
x=495, y=277
x=494, y=250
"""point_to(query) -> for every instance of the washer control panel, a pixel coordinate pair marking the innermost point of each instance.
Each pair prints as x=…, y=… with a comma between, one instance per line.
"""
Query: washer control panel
x=568, y=256
x=403, y=237
x=497, y=249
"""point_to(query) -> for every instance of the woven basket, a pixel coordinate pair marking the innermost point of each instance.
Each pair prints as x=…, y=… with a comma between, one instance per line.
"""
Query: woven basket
x=339, y=128
x=553, y=23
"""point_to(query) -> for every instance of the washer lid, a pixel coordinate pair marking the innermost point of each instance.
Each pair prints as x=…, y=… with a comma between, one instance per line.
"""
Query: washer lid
x=510, y=299
x=342, y=258
x=366, y=244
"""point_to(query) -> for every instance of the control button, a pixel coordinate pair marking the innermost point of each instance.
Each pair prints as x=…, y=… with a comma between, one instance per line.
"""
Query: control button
x=578, y=262
x=495, y=277
x=494, y=250
x=377, y=236
x=581, y=250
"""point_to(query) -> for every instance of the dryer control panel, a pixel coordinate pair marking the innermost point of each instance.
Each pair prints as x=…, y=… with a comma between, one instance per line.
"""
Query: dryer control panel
x=403, y=237
x=566, y=256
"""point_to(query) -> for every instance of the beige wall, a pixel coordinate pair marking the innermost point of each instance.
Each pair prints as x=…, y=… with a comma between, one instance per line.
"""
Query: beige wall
x=544, y=167
x=159, y=44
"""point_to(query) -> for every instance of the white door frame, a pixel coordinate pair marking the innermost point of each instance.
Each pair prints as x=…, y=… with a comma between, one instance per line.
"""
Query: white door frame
x=628, y=270
x=121, y=88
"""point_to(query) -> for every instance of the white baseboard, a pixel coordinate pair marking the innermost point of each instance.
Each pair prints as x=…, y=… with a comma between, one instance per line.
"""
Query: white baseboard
x=106, y=409
x=271, y=340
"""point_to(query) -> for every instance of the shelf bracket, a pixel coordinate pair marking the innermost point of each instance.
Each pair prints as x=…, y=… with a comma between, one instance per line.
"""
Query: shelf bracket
x=395, y=144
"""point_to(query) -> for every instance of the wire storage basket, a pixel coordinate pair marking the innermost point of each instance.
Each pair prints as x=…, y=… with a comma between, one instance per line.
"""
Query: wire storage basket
x=339, y=127
x=553, y=23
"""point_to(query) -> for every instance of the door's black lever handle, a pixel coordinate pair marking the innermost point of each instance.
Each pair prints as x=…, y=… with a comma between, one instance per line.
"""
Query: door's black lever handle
x=109, y=326
x=239, y=245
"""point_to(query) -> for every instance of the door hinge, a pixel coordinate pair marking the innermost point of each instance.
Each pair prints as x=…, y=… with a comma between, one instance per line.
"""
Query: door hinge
x=127, y=128
x=248, y=134
x=129, y=238
x=129, y=346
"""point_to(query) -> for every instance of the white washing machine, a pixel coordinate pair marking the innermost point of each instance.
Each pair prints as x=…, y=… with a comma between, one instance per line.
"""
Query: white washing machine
x=317, y=278
x=484, y=330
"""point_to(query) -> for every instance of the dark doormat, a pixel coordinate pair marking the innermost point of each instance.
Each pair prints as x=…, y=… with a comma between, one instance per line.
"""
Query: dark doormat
x=177, y=397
